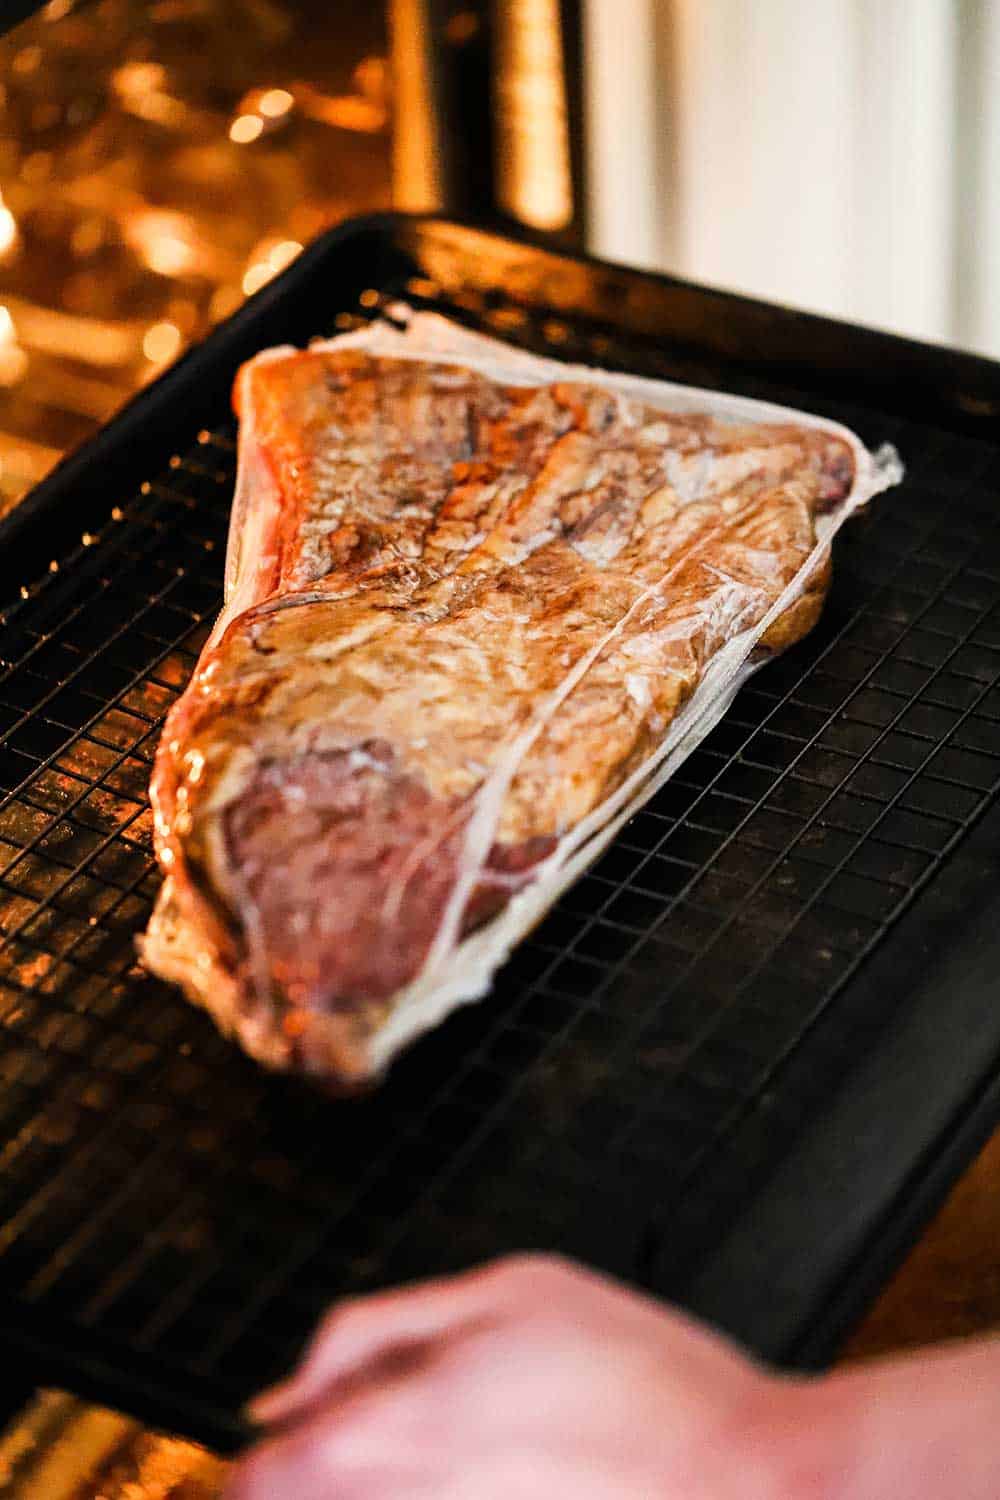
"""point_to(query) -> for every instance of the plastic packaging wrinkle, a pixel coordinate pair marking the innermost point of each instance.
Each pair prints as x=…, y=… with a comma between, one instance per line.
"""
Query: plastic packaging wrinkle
x=458, y=965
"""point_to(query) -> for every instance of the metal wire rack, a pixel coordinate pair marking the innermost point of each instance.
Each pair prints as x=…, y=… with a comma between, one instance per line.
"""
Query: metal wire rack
x=176, y=1218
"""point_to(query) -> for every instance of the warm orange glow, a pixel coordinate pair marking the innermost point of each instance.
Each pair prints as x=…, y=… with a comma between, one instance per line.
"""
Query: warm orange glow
x=13, y=364
x=255, y=277
x=87, y=237
x=245, y=128
x=34, y=969
x=165, y=240
x=92, y=1441
x=183, y=312
x=161, y=342
x=416, y=166
x=160, y=108
x=138, y=78
x=270, y=257
x=168, y=255
x=37, y=167
x=275, y=102
x=225, y=300
x=8, y=229
x=28, y=59
x=45, y=115
x=24, y=462
x=343, y=111
x=141, y=86
x=533, y=156
x=372, y=78
x=62, y=334
x=284, y=253
x=120, y=246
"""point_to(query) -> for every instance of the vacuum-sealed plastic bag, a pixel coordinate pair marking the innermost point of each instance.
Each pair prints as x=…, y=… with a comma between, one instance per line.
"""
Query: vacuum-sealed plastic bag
x=479, y=607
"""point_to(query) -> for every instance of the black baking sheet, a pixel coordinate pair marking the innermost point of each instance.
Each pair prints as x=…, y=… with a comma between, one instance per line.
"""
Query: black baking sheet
x=740, y=1061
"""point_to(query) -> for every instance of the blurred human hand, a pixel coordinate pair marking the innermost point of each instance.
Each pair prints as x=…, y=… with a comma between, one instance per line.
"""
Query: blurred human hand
x=528, y=1378
x=532, y=1379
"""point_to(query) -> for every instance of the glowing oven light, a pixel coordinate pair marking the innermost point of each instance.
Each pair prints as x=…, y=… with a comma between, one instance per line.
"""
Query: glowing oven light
x=134, y=79
x=8, y=229
x=13, y=359
x=270, y=260
x=165, y=240
x=168, y=255
x=161, y=342
x=534, y=180
x=274, y=103
x=245, y=128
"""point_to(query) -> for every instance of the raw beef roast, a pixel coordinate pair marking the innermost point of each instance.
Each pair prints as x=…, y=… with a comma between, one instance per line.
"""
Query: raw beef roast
x=462, y=615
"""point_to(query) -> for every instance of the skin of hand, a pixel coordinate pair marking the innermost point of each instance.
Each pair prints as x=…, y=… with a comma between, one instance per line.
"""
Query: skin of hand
x=533, y=1379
